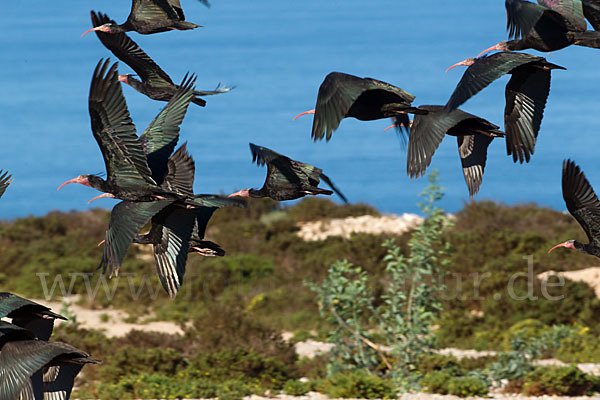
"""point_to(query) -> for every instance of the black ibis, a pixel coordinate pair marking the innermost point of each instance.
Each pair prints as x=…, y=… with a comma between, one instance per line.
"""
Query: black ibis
x=175, y=225
x=526, y=94
x=583, y=204
x=155, y=83
x=474, y=134
x=133, y=164
x=28, y=314
x=22, y=356
x=5, y=180
x=342, y=95
x=147, y=17
x=550, y=25
x=287, y=179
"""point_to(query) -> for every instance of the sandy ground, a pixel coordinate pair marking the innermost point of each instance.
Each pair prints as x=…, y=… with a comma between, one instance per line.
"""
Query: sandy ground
x=591, y=276
x=110, y=321
x=345, y=227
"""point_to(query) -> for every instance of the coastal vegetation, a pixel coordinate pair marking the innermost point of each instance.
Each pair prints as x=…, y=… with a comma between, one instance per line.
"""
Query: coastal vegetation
x=478, y=287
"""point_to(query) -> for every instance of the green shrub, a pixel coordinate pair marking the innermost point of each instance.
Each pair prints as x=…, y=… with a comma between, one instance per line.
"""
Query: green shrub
x=467, y=386
x=581, y=347
x=436, y=381
x=296, y=388
x=434, y=362
x=556, y=381
x=356, y=384
x=526, y=329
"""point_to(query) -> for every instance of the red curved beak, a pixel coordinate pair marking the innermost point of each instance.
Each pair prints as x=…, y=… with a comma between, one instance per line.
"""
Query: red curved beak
x=464, y=62
x=304, y=113
x=567, y=244
x=89, y=30
x=74, y=180
x=102, y=195
x=389, y=127
x=494, y=47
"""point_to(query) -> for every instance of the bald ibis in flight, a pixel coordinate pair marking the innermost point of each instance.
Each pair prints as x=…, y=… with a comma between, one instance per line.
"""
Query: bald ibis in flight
x=5, y=180
x=176, y=226
x=28, y=314
x=133, y=164
x=155, y=83
x=147, y=17
x=24, y=359
x=474, y=134
x=550, y=25
x=287, y=179
x=583, y=204
x=342, y=95
x=526, y=94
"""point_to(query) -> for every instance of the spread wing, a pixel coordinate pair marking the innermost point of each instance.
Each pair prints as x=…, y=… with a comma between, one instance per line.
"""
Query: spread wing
x=126, y=220
x=581, y=200
x=180, y=175
x=337, y=94
x=484, y=71
x=19, y=360
x=176, y=5
x=526, y=95
x=473, y=155
x=130, y=53
x=114, y=131
x=172, y=250
x=5, y=180
x=426, y=134
x=148, y=11
x=161, y=136
x=591, y=11
x=283, y=173
x=521, y=16
x=570, y=10
x=59, y=380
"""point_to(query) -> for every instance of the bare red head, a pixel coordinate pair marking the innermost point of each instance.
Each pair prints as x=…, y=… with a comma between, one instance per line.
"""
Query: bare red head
x=502, y=46
x=304, y=113
x=123, y=78
x=241, y=193
x=82, y=179
x=569, y=244
x=106, y=28
x=468, y=62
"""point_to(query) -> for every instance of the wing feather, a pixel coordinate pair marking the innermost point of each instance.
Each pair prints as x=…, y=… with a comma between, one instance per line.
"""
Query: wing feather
x=581, y=201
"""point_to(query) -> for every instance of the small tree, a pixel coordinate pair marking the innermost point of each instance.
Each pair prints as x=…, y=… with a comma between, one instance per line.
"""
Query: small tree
x=403, y=322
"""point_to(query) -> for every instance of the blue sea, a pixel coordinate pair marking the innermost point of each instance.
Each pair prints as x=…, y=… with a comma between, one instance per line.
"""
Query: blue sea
x=276, y=54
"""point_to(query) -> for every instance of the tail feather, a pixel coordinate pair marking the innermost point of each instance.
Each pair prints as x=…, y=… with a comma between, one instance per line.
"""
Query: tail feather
x=587, y=39
x=331, y=185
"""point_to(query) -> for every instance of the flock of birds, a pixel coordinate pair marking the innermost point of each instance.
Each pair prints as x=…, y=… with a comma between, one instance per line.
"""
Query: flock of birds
x=154, y=181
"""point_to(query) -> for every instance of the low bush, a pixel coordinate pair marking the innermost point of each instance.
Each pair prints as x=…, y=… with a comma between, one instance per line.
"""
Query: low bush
x=357, y=384
x=296, y=387
x=557, y=381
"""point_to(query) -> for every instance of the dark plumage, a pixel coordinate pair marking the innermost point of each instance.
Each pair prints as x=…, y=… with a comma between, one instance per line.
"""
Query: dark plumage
x=175, y=224
x=147, y=17
x=550, y=25
x=342, y=95
x=5, y=180
x=287, y=179
x=474, y=134
x=584, y=206
x=526, y=94
x=132, y=164
x=28, y=314
x=155, y=83
x=175, y=230
x=22, y=357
